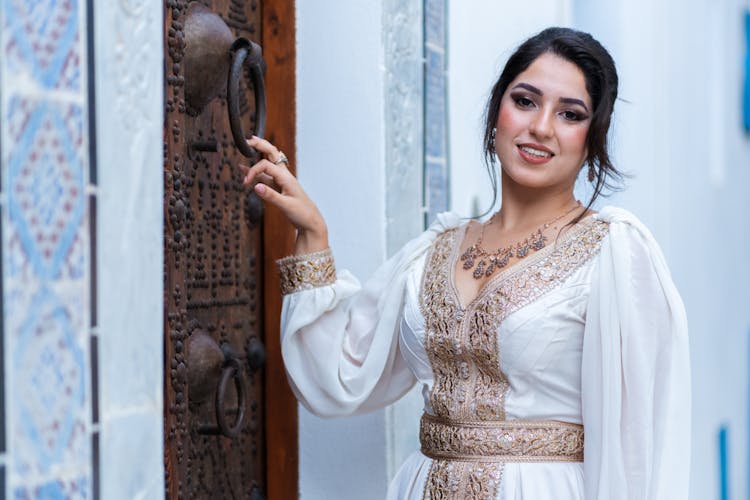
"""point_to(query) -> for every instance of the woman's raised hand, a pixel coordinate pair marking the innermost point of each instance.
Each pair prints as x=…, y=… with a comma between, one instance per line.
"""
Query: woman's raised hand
x=274, y=183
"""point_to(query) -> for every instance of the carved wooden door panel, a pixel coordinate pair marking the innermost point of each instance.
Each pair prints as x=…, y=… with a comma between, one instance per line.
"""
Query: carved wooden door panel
x=214, y=391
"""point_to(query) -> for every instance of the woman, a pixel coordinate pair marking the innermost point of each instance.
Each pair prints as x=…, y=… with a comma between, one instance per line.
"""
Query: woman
x=544, y=322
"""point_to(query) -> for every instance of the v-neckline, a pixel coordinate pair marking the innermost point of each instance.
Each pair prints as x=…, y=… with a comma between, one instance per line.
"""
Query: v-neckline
x=505, y=273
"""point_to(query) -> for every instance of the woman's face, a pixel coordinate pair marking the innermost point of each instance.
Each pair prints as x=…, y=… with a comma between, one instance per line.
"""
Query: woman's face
x=542, y=125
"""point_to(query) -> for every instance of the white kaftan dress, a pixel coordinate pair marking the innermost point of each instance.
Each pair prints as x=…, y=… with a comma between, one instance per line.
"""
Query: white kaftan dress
x=589, y=330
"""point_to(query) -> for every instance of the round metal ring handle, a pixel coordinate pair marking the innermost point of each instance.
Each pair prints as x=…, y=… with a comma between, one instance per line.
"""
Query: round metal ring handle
x=232, y=370
x=246, y=52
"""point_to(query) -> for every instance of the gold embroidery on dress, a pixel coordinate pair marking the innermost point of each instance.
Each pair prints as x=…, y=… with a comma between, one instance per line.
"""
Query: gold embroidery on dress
x=501, y=440
x=461, y=343
x=452, y=479
x=303, y=272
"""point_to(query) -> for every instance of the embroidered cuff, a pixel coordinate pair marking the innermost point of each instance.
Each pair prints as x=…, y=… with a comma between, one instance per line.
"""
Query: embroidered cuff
x=303, y=272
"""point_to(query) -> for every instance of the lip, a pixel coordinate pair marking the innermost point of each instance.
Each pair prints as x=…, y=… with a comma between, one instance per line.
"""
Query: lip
x=531, y=158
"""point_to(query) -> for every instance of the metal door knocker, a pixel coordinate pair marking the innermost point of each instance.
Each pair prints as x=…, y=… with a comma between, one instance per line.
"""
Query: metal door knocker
x=214, y=64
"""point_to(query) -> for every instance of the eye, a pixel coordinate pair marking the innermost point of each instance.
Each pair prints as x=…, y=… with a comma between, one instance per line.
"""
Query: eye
x=572, y=116
x=523, y=102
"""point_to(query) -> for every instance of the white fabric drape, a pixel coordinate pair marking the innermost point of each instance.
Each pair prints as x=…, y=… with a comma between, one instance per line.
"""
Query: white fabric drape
x=635, y=371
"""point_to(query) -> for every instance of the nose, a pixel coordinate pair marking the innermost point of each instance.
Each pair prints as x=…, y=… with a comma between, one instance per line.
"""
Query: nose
x=541, y=125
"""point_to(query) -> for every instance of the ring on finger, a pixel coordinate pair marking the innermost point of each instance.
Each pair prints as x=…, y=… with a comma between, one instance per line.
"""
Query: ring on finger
x=281, y=159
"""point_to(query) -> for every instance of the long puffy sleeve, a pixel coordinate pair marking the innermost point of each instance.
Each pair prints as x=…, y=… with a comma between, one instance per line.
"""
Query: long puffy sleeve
x=340, y=343
x=635, y=372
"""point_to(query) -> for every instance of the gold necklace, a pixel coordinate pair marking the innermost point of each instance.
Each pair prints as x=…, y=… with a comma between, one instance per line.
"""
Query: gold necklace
x=489, y=262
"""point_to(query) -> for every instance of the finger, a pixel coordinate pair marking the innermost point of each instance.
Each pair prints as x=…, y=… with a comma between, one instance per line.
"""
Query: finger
x=259, y=168
x=280, y=175
x=245, y=169
x=267, y=180
x=264, y=147
x=269, y=195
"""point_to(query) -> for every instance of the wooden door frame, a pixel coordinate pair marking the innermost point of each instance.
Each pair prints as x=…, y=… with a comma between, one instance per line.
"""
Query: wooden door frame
x=278, y=39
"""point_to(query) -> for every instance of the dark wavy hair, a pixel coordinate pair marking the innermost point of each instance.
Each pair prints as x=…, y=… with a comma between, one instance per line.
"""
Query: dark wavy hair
x=600, y=74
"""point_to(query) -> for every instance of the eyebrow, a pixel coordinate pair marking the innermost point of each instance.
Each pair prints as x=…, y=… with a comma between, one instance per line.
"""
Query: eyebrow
x=567, y=100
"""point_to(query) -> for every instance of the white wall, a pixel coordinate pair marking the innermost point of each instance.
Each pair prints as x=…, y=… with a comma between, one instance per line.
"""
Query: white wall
x=340, y=163
x=680, y=135
x=481, y=36
x=676, y=129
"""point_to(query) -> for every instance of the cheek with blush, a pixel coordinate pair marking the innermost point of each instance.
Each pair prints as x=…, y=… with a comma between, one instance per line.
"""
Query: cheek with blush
x=509, y=123
x=506, y=119
x=575, y=140
x=580, y=137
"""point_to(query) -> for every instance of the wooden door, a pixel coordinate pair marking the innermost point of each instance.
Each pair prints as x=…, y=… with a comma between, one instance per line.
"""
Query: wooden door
x=220, y=334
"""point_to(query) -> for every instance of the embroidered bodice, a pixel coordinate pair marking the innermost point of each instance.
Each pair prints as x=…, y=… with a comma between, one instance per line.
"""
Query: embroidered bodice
x=462, y=343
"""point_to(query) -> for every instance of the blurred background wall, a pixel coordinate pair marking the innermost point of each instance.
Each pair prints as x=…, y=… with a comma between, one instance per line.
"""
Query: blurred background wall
x=677, y=131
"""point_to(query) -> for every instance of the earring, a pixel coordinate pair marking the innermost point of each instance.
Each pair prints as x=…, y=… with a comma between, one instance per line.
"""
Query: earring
x=592, y=172
x=494, y=131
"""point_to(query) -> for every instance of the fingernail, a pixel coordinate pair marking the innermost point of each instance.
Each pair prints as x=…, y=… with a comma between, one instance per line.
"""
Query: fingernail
x=260, y=188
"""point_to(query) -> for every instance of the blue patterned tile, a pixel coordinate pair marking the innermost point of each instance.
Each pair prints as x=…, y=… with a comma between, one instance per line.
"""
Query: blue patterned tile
x=435, y=105
x=437, y=191
x=42, y=41
x=45, y=250
x=14, y=258
x=434, y=21
x=49, y=390
x=436, y=174
x=78, y=488
x=46, y=200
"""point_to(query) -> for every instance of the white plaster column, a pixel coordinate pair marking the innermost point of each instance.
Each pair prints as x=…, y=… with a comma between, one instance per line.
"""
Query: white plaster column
x=129, y=81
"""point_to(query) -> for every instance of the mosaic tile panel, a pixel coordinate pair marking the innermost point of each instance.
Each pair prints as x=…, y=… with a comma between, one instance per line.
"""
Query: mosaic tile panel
x=42, y=42
x=435, y=22
x=45, y=190
x=437, y=193
x=77, y=488
x=48, y=394
x=746, y=86
x=435, y=105
x=436, y=187
x=2, y=368
x=45, y=252
x=404, y=155
x=404, y=120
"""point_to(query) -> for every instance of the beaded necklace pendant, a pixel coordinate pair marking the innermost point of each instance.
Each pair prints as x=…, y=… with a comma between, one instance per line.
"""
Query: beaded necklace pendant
x=488, y=262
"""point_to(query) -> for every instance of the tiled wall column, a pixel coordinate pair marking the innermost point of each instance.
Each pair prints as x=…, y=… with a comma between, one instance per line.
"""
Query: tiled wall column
x=417, y=183
x=45, y=249
x=403, y=44
x=437, y=193
x=404, y=120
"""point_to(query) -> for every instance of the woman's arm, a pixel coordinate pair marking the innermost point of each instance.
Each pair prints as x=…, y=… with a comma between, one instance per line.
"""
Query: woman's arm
x=339, y=339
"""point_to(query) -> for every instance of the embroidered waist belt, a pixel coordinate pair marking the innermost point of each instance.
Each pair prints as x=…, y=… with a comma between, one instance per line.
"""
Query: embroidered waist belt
x=501, y=440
